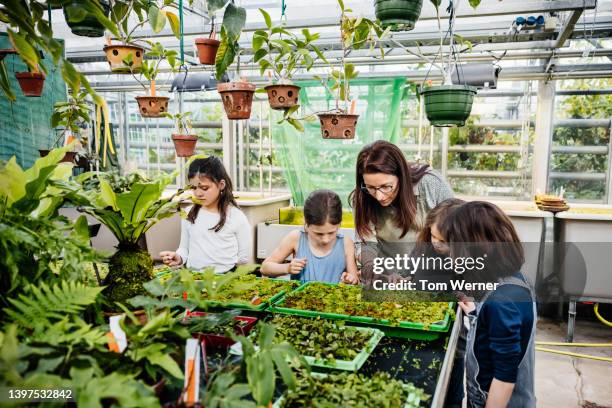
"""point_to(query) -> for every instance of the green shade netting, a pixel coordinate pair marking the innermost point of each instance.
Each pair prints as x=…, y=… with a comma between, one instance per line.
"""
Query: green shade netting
x=310, y=162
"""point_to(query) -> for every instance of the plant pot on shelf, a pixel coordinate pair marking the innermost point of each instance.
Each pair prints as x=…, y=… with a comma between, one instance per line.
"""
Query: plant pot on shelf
x=69, y=157
x=31, y=83
x=400, y=15
x=282, y=97
x=152, y=106
x=81, y=22
x=448, y=105
x=184, y=144
x=338, y=125
x=207, y=50
x=115, y=54
x=237, y=99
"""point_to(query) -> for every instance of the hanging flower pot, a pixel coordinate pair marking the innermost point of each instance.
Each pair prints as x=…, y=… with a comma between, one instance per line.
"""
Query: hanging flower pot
x=338, y=125
x=400, y=15
x=184, y=144
x=207, y=50
x=282, y=97
x=83, y=23
x=237, y=99
x=115, y=54
x=152, y=106
x=31, y=83
x=448, y=105
x=69, y=157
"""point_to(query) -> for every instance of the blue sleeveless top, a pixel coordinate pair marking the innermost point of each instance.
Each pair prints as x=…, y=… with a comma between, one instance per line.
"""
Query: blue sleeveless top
x=328, y=268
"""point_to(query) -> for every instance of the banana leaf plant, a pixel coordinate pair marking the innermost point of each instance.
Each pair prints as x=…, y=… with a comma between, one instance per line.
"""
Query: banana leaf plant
x=129, y=208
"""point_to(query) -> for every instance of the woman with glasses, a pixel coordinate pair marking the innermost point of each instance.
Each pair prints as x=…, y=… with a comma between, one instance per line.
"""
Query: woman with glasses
x=392, y=197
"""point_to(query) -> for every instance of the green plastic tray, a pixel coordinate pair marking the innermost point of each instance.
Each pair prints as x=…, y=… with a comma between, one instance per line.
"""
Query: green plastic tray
x=356, y=363
x=411, y=330
x=413, y=400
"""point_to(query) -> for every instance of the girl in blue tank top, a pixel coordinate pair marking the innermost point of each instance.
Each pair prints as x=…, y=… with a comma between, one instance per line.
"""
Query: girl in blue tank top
x=319, y=252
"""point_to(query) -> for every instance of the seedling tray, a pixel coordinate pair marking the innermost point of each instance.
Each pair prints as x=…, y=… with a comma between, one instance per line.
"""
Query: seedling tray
x=220, y=341
x=404, y=329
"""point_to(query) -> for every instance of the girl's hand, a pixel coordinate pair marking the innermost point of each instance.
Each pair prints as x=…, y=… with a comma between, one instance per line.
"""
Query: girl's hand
x=171, y=258
x=467, y=306
x=296, y=266
x=350, y=278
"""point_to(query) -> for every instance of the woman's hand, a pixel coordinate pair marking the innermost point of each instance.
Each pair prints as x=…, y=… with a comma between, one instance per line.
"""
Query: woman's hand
x=467, y=306
x=350, y=278
x=171, y=258
x=296, y=266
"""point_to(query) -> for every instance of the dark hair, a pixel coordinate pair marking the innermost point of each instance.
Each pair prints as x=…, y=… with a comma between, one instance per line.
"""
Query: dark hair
x=212, y=168
x=385, y=157
x=437, y=214
x=323, y=206
x=479, y=227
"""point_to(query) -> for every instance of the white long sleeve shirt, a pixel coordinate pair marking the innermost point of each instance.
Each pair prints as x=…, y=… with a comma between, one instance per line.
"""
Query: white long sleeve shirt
x=202, y=247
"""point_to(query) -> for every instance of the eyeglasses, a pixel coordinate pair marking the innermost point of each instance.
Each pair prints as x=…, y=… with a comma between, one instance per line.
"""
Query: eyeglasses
x=385, y=190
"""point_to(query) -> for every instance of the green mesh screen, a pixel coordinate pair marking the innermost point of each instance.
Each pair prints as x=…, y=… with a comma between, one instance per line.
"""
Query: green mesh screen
x=24, y=124
x=310, y=162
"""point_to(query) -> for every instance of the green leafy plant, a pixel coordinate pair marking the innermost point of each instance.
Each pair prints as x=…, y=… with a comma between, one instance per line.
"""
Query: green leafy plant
x=155, y=13
x=151, y=66
x=128, y=212
x=234, y=20
x=346, y=300
x=319, y=338
x=182, y=122
x=353, y=390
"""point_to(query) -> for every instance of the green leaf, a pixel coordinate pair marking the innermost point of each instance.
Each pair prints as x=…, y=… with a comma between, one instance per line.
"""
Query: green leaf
x=156, y=19
x=174, y=22
x=27, y=53
x=214, y=5
x=260, y=54
x=234, y=20
x=258, y=40
x=474, y=3
x=266, y=17
x=6, y=84
x=296, y=124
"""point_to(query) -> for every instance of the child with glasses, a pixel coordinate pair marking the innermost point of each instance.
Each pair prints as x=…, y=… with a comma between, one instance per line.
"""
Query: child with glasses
x=319, y=252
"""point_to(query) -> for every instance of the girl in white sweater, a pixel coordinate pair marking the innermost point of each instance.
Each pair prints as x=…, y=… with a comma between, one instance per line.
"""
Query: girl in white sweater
x=216, y=233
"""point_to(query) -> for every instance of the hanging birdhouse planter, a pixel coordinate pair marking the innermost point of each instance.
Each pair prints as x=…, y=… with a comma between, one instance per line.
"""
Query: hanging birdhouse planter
x=448, y=105
x=399, y=15
x=152, y=106
x=124, y=59
x=82, y=22
x=338, y=125
x=282, y=97
x=237, y=99
x=31, y=83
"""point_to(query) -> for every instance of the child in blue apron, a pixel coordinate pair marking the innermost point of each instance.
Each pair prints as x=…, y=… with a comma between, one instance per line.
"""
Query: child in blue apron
x=500, y=352
x=319, y=252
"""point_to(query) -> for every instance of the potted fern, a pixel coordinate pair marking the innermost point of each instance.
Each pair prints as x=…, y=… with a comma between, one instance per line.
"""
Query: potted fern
x=153, y=106
x=283, y=53
x=355, y=33
x=127, y=56
x=447, y=104
x=183, y=139
x=237, y=96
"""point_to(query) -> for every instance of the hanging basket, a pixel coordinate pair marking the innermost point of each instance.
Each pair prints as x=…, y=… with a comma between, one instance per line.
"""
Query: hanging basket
x=184, y=144
x=69, y=157
x=115, y=54
x=237, y=99
x=448, y=105
x=282, y=97
x=338, y=125
x=399, y=15
x=207, y=50
x=31, y=83
x=152, y=106
x=87, y=25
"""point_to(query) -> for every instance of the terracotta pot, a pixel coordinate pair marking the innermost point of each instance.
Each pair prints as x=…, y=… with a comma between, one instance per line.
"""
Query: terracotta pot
x=69, y=157
x=282, y=97
x=338, y=125
x=31, y=83
x=207, y=50
x=152, y=106
x=184, y=144
x=237, y=99
x=115, y=54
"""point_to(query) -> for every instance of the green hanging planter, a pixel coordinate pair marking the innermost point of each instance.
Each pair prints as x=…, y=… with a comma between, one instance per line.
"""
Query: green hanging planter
x=448, y=105
x=400, y=15
x=81, y=22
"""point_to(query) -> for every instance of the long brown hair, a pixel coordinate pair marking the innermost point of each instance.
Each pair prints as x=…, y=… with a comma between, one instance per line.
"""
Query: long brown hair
x=385, y=157
x=479, y=227
x=323, y=206
x=212, y=168
x=435, y=216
